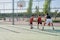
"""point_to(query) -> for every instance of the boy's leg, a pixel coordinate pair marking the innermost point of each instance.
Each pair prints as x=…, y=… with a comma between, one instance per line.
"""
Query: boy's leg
x=41, y=23
x=52, y=26
x=31, y=26
x=42, y=27
x=44, y=23
x=49, y=24
x=38, y=25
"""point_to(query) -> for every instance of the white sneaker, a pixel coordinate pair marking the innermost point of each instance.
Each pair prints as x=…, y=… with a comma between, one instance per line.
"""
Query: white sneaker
x=42, y=28
x=53, y=28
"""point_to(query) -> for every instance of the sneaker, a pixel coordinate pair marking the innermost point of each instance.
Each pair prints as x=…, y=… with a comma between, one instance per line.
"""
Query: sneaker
x=31, y=28
x=53, y=28
x=42, y=28
x=37, y=27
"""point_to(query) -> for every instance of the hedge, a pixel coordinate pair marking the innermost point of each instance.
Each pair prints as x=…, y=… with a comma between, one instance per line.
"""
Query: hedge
x=43, y=21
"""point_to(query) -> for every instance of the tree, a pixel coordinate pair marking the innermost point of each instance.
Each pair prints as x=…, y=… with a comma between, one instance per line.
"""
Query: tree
x=46, y=6
x=37, y=10
x=56, y=13
x=29, y=10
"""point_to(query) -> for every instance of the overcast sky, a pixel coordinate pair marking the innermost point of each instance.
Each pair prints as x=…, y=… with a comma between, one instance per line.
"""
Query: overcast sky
x=7, y=4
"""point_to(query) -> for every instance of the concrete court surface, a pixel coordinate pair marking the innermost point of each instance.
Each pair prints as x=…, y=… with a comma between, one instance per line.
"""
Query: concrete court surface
x=23, y=32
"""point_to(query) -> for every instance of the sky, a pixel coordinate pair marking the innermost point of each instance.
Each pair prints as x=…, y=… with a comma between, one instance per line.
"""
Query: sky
x=6, y=5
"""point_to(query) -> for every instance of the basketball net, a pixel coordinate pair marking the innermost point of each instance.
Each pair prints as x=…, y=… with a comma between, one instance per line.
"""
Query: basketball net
x=21, y=3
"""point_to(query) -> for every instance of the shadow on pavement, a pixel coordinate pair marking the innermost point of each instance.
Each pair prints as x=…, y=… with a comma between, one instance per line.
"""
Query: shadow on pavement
x=9, y=30
x=51, y=32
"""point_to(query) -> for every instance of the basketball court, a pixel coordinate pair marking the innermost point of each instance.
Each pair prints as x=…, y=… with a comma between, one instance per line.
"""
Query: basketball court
x=15, y=27
x=23, y=32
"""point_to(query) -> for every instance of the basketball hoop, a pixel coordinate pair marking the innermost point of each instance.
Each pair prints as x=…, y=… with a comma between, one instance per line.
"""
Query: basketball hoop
x=21, y=3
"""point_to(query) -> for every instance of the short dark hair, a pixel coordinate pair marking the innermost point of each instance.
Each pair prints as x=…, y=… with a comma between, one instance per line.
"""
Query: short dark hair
x=47, y=14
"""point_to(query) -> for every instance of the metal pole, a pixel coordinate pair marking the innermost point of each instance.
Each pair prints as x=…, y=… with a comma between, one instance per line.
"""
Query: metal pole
x=12, y=12
x=38, y=6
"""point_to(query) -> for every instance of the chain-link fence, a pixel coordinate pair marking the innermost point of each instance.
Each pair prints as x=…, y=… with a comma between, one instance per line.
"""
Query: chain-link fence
x=15, y=11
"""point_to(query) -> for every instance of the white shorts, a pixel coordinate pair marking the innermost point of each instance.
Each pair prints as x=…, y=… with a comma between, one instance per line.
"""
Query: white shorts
x=48, y=21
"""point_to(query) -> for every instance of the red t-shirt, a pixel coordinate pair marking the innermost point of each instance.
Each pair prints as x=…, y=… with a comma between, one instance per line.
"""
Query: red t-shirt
x=39, y=19
x=31, y=19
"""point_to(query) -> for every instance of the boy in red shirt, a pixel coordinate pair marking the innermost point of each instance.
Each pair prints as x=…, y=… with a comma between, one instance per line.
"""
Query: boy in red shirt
x=31, y=21
x=39, y=21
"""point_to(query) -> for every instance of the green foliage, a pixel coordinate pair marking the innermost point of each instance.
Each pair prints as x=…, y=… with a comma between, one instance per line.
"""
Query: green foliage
x=56, y=21
x=46, y=6
x=37, y=10
x=29, y=10
x=27, y=14
x=56, y=13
